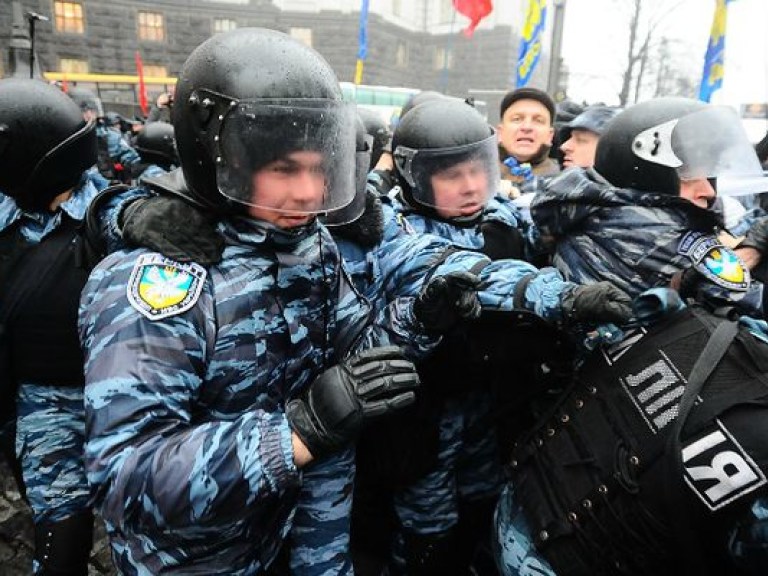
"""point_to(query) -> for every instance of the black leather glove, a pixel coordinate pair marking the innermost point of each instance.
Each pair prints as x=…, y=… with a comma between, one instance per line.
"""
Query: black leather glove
x=596, y=303
x=446, y=300
x=330, y=414
x=757, y=236
x=174, y=228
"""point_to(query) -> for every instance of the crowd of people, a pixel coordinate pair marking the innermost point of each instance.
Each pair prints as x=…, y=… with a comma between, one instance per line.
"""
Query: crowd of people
x=264, y=334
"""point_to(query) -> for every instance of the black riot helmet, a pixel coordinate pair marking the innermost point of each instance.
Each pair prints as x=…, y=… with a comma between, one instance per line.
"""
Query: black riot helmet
x=45, y=145
x=654, y=145
x=378, y=129
x=420, y=98
x=86, y=100
x=252, y=96
x=156, y=144
x=439, y=135
x=616, y=158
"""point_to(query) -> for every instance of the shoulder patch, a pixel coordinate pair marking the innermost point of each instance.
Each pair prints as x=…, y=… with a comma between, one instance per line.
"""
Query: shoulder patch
x=160, y=287
x=717, y=263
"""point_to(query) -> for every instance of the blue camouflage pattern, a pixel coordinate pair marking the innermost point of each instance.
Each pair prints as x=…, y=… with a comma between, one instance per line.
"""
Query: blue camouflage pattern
x=118, y=149
x=189, y=450
x=468, y=464
x=626, y=237
x=513, y=546
x=631, y=239
x=50, y=428
x=50, y=433
x=499, y=278
x=37, y=225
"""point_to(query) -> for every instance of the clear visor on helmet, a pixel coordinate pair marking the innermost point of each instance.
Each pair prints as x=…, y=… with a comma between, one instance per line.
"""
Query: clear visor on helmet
x=458, y=179
x=290, y=156
x=710, y=143
x=354, y=209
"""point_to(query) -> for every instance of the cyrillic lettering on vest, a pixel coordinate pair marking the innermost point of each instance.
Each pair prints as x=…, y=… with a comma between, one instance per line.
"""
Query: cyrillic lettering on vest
x=718, y=469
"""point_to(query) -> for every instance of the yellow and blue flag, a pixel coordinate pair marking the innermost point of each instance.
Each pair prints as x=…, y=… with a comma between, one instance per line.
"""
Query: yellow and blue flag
x=362, y=48
x=530, y=41
x=714, y=59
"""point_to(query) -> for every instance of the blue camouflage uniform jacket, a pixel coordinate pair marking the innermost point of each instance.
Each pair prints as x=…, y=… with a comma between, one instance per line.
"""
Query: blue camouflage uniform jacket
x=499, y=278
x=187, y=375
x=36, y=226
x=630, y=238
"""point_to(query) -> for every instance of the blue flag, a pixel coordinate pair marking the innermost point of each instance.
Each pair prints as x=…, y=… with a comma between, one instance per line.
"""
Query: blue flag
x=362, y=49
x=714, y=59
x=530, y=41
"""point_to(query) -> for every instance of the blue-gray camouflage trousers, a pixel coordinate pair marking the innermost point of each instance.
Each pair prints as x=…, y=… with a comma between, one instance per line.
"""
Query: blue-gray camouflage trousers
x=50, y=433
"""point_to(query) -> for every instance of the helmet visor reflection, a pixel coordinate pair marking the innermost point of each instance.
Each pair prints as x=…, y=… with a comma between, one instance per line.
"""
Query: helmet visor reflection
x=712, y=143
x=454, y=178
x=291, y=156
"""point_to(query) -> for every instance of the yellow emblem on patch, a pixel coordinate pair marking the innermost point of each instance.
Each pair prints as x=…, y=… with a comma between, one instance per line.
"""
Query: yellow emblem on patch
x=726, y=265
x=160, y=287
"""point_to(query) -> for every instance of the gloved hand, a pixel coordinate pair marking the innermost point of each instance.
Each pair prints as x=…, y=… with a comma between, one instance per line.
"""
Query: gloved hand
x=445, y=300
x=174, y=228
x=596, y=303
x=329, y=415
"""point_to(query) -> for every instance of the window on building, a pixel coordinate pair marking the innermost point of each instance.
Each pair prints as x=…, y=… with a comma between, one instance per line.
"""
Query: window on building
x=69, y=17
x=223, y=25
x=302, y=35
x=73, y=65
x=155, y=70
x=401, y=55
x=151, y=26
x=443, y=58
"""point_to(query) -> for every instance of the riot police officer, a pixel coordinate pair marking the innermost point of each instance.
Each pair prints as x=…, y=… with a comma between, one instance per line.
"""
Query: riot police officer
x=659, y=497
x=446, y=159
x=156, y=144
x=247, y=366
x=657, y=169
x=46, y=153
x=117, y=160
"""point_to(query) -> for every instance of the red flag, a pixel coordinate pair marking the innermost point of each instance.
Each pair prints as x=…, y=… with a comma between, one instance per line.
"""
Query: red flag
x=142, y=86
x=475, y=10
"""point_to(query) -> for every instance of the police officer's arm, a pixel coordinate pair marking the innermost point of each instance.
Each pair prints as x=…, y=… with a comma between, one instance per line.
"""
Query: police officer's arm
x=513, y=284
x=148, y=464
x=561, y=208
x=104, y=217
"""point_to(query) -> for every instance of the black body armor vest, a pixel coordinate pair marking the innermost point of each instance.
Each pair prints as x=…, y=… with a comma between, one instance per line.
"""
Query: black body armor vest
x=597, y=478
x=42, y=285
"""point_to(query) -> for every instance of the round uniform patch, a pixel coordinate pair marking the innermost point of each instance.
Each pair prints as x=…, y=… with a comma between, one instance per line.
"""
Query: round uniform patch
x=160, y=287
x=716, y=262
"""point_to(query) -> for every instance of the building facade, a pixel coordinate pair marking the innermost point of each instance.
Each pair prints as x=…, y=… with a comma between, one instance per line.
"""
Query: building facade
x=411, y=43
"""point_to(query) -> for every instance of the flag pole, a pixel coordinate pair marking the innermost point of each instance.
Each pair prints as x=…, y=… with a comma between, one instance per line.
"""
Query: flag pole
x=443, y=84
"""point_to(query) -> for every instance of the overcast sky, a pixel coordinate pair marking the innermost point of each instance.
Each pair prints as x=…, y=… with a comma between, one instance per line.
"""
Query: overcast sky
x=595, y=44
